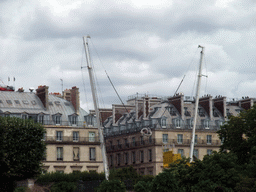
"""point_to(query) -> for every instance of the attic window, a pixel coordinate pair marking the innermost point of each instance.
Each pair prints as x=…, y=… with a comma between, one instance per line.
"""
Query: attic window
x=17, y=101
x=50, y=103
x=57, y=102
x=67, y=104
x=9, y=101
x=33, y=102
x=25, y=102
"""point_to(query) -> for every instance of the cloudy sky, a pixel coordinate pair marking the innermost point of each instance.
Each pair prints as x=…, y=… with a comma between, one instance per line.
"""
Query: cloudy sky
x=146, y=47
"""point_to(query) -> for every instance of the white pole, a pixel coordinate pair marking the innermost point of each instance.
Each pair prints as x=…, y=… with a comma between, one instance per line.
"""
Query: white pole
x=96, y=107
x=196, y=104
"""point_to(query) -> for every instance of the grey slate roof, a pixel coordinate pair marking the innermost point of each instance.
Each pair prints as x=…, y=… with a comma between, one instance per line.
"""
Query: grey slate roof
x=26, y=102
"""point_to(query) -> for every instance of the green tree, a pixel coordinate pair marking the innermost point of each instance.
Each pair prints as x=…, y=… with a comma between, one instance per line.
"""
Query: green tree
x=216, y=171
x=111, y=186
x=22, y=149
x=239, y=134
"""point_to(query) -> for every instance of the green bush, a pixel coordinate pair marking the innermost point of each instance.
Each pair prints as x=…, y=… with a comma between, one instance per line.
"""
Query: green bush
x=71, y=177
x=63, y=187
x=143, y=186
x=111, y=186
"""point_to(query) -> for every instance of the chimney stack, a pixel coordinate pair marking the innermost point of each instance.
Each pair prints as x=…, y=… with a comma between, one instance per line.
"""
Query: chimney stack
x=42, y=93
x=75, y=99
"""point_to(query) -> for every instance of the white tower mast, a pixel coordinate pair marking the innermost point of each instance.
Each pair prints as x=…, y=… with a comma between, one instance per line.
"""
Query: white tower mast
x=196, y=104
x=96, y=107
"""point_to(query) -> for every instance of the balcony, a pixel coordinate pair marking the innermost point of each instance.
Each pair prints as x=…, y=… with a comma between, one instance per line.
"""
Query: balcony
x=63, y=123
x=159, y=127
x=71, y=140
x=159, y=142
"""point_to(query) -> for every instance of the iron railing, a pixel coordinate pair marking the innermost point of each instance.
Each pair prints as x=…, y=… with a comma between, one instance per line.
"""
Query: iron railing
x=159, y=141
x=70, y=139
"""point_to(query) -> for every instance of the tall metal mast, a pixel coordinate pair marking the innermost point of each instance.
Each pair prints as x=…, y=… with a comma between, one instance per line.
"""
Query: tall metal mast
x=196, y=104
x=96, y=107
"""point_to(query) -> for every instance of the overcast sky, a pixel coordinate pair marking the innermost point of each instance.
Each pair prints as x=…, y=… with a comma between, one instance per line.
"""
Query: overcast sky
x=146, y=47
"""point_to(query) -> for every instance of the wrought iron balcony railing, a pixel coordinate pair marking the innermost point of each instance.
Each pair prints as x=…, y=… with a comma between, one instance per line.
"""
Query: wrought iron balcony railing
x=159, y=141
x=71, y=139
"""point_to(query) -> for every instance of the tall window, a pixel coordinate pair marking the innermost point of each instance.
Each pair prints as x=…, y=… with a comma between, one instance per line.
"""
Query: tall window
x=150, y=155
x=118, y=159
x=91, y=136
x=41, y=119
x=165, y=138
x=92, y=154
x=133, y=157
x=133, y=141
x=59, y=135
x=195, y=139
x=57, y=120
x=181, y=152
x=177, y=123
x=73, y=120
x=206, y=124
x=196, y=153
x=141, y=156
x=126, y=158
x=180, y=138
x=150, y=139
x=75, y=136
x=163, y=122
x=60, y=153
x=76, y=153
x=209, y=139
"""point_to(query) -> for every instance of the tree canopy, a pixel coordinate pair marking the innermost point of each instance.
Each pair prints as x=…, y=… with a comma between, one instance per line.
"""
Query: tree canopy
x=239, y=134
x=22, y=148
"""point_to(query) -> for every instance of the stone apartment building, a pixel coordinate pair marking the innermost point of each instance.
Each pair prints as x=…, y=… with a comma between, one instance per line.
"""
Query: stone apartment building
x=72, y=142
x=171, y=122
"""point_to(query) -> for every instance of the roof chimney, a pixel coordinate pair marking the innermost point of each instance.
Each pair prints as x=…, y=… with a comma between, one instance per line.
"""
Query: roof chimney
x=75, y=99
x=178, y=102
x=42, y=93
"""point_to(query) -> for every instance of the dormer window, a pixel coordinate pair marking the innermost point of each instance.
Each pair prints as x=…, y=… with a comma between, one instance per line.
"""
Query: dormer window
x=177, y=123
x=41, y=119
x=190, y=123
x=201, y=112
x=215, y=113
x=206, y=123
x=163, y=122
x=24, y=116
x=172, y=111
x=57, y=119
x=73, y=119
x=89, y=119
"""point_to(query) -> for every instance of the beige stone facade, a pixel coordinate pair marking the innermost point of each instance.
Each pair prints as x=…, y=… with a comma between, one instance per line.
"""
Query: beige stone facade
x=71, y=139
x=72, y=149
x=145, y=154
x=171, y=121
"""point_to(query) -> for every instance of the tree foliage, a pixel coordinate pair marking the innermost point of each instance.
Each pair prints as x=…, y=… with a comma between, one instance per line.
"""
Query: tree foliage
x=22, y=148
x=239, y=134
x=111, y=186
